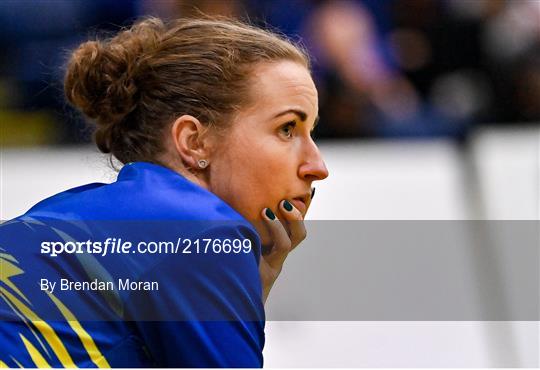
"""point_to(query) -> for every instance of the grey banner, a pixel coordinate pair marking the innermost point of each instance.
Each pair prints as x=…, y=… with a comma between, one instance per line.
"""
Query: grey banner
x=411, y=270
x=343, y=271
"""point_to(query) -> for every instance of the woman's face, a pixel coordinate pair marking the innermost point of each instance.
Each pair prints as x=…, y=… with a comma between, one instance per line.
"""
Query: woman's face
x=268, y=154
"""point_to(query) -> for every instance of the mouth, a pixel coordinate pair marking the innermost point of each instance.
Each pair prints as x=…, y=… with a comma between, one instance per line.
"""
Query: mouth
x=301, y=203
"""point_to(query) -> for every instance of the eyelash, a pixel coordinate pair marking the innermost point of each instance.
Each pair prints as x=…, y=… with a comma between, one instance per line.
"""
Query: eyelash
x=291, y=125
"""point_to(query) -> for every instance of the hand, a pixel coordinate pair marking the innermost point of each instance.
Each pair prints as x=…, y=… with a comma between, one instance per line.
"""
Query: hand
x=286, y=233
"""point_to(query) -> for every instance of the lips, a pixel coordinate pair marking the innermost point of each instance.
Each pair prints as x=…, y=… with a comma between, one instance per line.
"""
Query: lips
x=300, y=203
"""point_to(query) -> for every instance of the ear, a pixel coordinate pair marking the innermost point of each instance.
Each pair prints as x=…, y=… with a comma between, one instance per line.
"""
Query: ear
x=188, y=135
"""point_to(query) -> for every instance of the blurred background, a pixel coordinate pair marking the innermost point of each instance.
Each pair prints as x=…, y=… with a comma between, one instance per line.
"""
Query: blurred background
x=384, y=68
x=430, y=110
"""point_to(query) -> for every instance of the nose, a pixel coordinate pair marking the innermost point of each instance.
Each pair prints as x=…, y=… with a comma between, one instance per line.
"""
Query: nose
x=312, y=167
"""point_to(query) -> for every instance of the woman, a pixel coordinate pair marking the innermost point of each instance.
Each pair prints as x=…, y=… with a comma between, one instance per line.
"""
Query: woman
x=213, y=121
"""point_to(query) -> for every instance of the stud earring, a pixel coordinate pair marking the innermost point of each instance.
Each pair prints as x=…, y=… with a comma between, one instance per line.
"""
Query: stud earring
x=203, y=163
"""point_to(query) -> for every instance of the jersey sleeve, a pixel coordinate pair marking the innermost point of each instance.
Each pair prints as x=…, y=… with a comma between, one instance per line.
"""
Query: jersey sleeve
x=208, y=311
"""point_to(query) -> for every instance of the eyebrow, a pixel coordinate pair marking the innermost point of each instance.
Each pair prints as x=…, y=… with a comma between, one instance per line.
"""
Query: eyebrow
x=302, y=115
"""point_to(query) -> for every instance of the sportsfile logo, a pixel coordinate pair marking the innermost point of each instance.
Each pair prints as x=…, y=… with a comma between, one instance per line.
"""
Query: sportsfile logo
x=120, y=246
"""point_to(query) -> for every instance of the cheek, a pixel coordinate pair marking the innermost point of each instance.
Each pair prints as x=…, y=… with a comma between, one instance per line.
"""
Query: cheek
x=255, y=178
x=252, y=176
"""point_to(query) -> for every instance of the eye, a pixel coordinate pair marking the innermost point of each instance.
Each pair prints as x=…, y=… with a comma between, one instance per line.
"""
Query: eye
x=287, y=129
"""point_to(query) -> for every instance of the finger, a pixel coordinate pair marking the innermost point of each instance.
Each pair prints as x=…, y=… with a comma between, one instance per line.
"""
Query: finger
x=282, y=242
x=294, y=222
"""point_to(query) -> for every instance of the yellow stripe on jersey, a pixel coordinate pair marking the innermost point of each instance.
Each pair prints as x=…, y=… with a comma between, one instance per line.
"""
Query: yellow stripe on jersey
x=27, y=323
x=45, y=329
x=8, y=270
x=95, y=355
x=34, y=353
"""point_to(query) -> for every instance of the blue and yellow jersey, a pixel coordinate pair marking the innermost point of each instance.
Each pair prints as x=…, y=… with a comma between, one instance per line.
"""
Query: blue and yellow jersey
x=151, y=270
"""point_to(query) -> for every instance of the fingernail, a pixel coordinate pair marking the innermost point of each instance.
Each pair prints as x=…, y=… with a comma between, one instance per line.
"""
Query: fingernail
x=312, y=193
x=270, y=214
x=287, y=205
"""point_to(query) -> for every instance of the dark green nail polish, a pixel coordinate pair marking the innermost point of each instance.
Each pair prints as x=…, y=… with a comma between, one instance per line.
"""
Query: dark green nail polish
x=287, y=205
x=270, y=214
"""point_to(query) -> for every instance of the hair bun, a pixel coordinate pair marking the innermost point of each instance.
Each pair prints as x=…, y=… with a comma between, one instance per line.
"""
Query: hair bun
x=100, y=81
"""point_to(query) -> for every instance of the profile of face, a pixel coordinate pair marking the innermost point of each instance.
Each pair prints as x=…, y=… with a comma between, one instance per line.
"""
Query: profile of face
x=268, y=154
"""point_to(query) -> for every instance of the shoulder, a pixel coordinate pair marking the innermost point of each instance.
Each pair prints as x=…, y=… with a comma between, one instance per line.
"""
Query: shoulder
x=141, y=191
